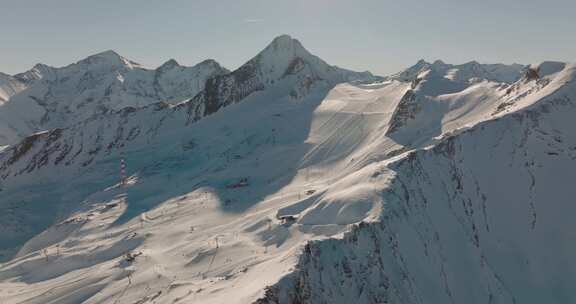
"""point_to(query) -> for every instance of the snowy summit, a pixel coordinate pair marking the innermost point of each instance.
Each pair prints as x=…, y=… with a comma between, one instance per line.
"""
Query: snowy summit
x=287, y=180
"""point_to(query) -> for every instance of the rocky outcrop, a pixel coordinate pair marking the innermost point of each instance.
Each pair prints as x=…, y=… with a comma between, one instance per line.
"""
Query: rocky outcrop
x=451, y=232
x=284, y=58
x=407, y=109
x=60, y=97
x=284, y=65
x=468, y=72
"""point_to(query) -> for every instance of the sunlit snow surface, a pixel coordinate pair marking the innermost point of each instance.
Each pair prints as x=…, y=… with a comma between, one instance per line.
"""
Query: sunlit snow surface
x=47, y=97
x=220, y=209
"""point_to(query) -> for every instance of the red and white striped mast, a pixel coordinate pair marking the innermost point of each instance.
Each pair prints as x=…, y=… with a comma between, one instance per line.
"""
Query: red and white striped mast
x=122, y=171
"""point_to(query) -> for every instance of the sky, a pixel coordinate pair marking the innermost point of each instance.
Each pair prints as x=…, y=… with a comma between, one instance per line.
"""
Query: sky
x=381, y=36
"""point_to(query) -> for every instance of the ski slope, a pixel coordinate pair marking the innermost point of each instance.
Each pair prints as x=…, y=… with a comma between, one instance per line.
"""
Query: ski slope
x=180, y=205
x=481, y=216
x=311, y=194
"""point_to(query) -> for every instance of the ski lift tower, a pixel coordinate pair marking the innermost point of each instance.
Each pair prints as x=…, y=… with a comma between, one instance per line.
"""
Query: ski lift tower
x=123, y=178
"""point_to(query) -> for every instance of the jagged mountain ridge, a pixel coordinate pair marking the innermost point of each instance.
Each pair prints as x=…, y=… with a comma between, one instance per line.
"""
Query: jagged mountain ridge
x=219, y=206
x=74, y=150
x=9, y=86
x=435, y=86
x=284, y=57
x=294, y=73
x=454, y=233
x=48, y=98
x=467, y=72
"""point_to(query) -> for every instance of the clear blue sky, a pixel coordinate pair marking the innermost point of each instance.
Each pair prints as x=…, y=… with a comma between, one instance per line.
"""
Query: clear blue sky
x=377, y=35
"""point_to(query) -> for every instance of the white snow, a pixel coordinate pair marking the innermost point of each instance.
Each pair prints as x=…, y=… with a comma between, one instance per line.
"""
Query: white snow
x=46, y=97
x=216, y=210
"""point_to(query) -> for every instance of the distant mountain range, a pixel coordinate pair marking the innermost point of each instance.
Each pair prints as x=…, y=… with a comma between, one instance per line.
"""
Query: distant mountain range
x=47, y=98
x=287, y=180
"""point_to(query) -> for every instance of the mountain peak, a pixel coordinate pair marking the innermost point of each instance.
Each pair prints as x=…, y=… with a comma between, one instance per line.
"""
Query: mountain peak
x=41, y=67
x=38, y=71
x=108, y=53
x=210, y=62
x=168, y=65
x=172, y=62
x=470, y=64
x=108, y=57
x=286, y=43
x=284, y=40
x=546, y=68
x=438, y=62
x=274, y=61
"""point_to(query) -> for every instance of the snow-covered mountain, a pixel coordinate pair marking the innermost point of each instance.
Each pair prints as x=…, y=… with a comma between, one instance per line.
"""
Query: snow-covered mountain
x=46, y=98
x=74, y=150
x=285, y=60
x=483, y=216
x=9, y=86
x=466, y=73
x=292, y=181
x=439, y=85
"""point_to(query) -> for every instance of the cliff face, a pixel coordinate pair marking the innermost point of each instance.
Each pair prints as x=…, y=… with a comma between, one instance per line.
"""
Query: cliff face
x=45, y=97
x=284, y=64
x=284, y=69
x=454, y=187
x=482, y=217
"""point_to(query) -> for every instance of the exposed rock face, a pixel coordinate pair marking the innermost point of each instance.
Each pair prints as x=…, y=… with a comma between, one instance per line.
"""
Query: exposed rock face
x=467, y=72
x=410, y=106
x=284, y=58
x=534, y=74
x=454, y=233
x=431, y=81
x=77, y=148
x=407, y=109
x=9, y=86
x=46, y=97
x=531, y=74
x=111, y=130
x=451, y=187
